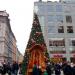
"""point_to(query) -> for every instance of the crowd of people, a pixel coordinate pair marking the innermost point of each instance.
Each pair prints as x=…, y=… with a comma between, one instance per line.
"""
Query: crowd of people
x=66, y=68
x=10, y=69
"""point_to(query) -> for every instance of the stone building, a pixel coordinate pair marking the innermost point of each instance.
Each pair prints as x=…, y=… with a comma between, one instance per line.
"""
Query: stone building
x=7, y=39
x=19, y=56
x=67, y=1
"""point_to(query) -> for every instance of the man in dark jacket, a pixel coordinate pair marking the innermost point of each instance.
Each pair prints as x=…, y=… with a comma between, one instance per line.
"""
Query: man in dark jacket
x=1, y=68
x=73, y=68
x=9, y=68
x=57, y=69
x=67, y=69
x=48, y=68
x=35, y=70
x=4, y=68
x=15, y=68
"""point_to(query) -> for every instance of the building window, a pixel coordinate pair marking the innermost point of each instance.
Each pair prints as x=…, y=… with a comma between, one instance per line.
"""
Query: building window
x=51, y=29
x=50, y=43
x=58, y=8
x=57, y=42
x=50, y=8
x=50, y=18
x=68, y=19
x=51, y=24
x=59, y=18
x=60, y=29
x=41, y=9
x=69, y=29
x=73, y=42
x=67, y=8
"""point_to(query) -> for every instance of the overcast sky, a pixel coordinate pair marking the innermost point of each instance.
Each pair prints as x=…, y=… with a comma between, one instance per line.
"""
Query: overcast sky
x=21, y=17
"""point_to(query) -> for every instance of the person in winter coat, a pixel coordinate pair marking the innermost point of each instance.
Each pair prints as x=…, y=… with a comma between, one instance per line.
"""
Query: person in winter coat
x=20, y=68
x=73, y=69
x=39, y=70
x=48, y=69
x=45, y=73
x=9, y=68
x=57, y=69
x=67, y=70
x=4, y=68
x=1, y=68
x=35, y=70
x=15, y=68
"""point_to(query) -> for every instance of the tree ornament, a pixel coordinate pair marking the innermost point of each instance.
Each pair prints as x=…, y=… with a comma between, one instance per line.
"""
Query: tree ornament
x=38, y=33
x=35, y=23
x=33, y=42
x=43, y=46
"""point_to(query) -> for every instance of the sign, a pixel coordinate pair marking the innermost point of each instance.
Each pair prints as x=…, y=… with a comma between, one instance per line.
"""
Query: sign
x=74, y=55
x=57, y=55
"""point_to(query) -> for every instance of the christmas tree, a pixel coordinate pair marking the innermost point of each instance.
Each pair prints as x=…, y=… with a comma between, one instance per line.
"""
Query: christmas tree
x=36, y=37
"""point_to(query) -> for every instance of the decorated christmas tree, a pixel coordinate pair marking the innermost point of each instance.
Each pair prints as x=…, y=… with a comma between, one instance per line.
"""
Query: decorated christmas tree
x=36, y=37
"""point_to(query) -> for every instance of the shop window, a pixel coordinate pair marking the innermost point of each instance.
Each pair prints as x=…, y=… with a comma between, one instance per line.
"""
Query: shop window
x=57, y=52
x=68, y=19
x=57, y=43
x=60, y=29
x=69, y=29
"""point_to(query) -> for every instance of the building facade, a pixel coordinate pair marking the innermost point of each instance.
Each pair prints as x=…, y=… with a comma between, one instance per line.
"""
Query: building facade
x=67, y=1
x=7, y=39
x=57, y=20
x=19, y=56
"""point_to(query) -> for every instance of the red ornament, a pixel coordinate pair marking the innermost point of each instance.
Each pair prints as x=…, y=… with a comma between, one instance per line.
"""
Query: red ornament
x=43, y=46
